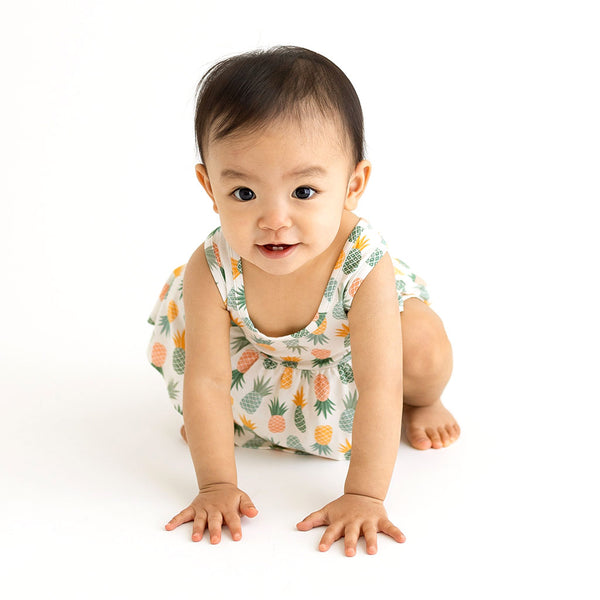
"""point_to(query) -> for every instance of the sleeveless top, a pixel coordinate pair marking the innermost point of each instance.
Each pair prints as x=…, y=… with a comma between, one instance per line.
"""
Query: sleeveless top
x=295, y=392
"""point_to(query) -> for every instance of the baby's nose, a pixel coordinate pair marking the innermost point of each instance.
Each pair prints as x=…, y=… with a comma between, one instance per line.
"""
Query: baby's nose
x=275, y=214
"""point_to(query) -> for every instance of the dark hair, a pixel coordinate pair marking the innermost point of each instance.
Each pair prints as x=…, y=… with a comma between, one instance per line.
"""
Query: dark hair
x=248, y=90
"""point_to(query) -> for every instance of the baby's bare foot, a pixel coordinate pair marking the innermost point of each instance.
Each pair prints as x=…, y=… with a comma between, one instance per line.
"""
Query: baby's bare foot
x=430, y=426
x=182, y=431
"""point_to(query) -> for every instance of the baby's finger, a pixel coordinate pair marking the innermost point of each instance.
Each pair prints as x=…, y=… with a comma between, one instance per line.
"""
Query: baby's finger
x=390, y=529
x=184, y=516
x=370, y=533
x=332, y=534
x=351, y=535
x=215, y=521
x=315, y=519
x=247, y=508
x=199, y=527
x=235, y=525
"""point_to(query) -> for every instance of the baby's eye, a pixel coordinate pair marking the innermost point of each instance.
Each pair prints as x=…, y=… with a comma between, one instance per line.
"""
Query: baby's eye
x=244, y=194
x=304, y=192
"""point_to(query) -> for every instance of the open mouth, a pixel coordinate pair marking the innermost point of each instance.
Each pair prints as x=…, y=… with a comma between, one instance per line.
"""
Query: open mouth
x=277, y=250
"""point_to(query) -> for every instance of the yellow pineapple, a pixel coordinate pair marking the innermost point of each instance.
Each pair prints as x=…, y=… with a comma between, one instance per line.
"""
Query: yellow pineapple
x=290, y=363
x=323, y=435
x=318, y=335
x=179, y=352
x=166, y=320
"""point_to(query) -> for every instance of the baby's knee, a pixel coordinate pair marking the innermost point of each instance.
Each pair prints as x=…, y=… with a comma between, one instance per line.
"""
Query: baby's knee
x=426, y=348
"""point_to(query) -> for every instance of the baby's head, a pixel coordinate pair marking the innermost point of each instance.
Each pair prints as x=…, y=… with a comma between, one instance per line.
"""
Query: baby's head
x=245, y=93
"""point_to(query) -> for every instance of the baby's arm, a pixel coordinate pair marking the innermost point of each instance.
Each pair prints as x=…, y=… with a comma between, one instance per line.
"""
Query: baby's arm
x=375, y=329
x=207, y=408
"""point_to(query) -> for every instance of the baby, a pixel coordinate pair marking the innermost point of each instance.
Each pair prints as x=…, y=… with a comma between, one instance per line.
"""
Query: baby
x=295, y=328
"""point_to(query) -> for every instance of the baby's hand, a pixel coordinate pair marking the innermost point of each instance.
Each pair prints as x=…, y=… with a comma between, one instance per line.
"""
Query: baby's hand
x=351, y=516
x=215, y=505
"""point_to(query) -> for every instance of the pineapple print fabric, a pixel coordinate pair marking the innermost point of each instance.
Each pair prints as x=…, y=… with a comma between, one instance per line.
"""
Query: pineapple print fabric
x=295, y=392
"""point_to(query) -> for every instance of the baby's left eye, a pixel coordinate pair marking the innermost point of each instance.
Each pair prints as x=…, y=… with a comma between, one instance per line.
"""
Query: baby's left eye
x=304, y=192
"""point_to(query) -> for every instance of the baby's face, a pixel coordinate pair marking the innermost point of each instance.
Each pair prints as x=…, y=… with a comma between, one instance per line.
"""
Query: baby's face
x=281, y=192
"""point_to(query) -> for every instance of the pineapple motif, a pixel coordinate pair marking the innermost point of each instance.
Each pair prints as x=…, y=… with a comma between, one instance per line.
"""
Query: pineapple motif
x=158, y=356
x=324, y=405
x=354, y=256
x=345, y=372
x=294, y=442
x=322, y=358
x=375, y=257
x=166, y=320
x=249, y=427
x=236, y=267
x=245, y=361
x=323, y=435
x=290, y=363
x=300, y=403
x=277, y=420
x=347, y=416
x=346, y=449
x=344, y=331
x=318, y=335
x=179, y=352
x=251, y=401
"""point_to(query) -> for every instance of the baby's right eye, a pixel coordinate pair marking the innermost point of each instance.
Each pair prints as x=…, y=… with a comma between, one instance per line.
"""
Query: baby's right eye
x=244, y=194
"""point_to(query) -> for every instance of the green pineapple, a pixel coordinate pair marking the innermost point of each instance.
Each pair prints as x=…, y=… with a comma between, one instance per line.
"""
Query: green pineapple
x=375, y=257
x=251, y=401
x=347, y=416
x=294, y=442
x=179, y=352
x=298, y=414
x=346, y=373
x=354, y=256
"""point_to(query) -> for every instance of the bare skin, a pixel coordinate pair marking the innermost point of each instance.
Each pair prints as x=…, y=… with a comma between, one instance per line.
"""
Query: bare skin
x=427, y=367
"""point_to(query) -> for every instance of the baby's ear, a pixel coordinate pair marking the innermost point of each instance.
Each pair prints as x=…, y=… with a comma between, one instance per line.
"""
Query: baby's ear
x=357, y=184
x=202, y=176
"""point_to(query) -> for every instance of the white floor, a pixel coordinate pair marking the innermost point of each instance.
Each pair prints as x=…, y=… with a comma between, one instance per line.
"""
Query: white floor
x=93, y=467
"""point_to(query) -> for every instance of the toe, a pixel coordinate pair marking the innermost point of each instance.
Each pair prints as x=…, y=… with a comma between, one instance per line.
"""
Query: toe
x=419, y=439
x=434, y=436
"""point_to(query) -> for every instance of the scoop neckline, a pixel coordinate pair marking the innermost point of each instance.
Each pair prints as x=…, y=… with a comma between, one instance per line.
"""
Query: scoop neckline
x=323, y=306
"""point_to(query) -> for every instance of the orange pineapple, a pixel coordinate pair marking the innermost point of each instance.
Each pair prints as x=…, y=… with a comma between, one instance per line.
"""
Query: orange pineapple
x=158, y=356
x=245, y=361
x=277, y=421
x=324, y=405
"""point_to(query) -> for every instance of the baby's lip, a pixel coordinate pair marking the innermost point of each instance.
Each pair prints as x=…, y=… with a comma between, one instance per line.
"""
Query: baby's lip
x=278, y=244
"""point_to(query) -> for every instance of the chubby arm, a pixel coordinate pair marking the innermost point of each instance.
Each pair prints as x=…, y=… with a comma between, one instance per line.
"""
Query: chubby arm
x=207, y=408
x=206, y=400
x=376, y=337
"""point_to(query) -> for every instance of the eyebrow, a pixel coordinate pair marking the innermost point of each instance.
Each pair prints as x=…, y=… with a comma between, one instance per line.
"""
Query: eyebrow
x=310, y=171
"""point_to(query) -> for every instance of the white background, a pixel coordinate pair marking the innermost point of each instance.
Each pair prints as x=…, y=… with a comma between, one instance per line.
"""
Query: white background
x=483, y=128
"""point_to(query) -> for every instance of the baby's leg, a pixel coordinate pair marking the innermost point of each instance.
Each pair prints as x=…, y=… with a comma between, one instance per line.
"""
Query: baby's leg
x=427, y=366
